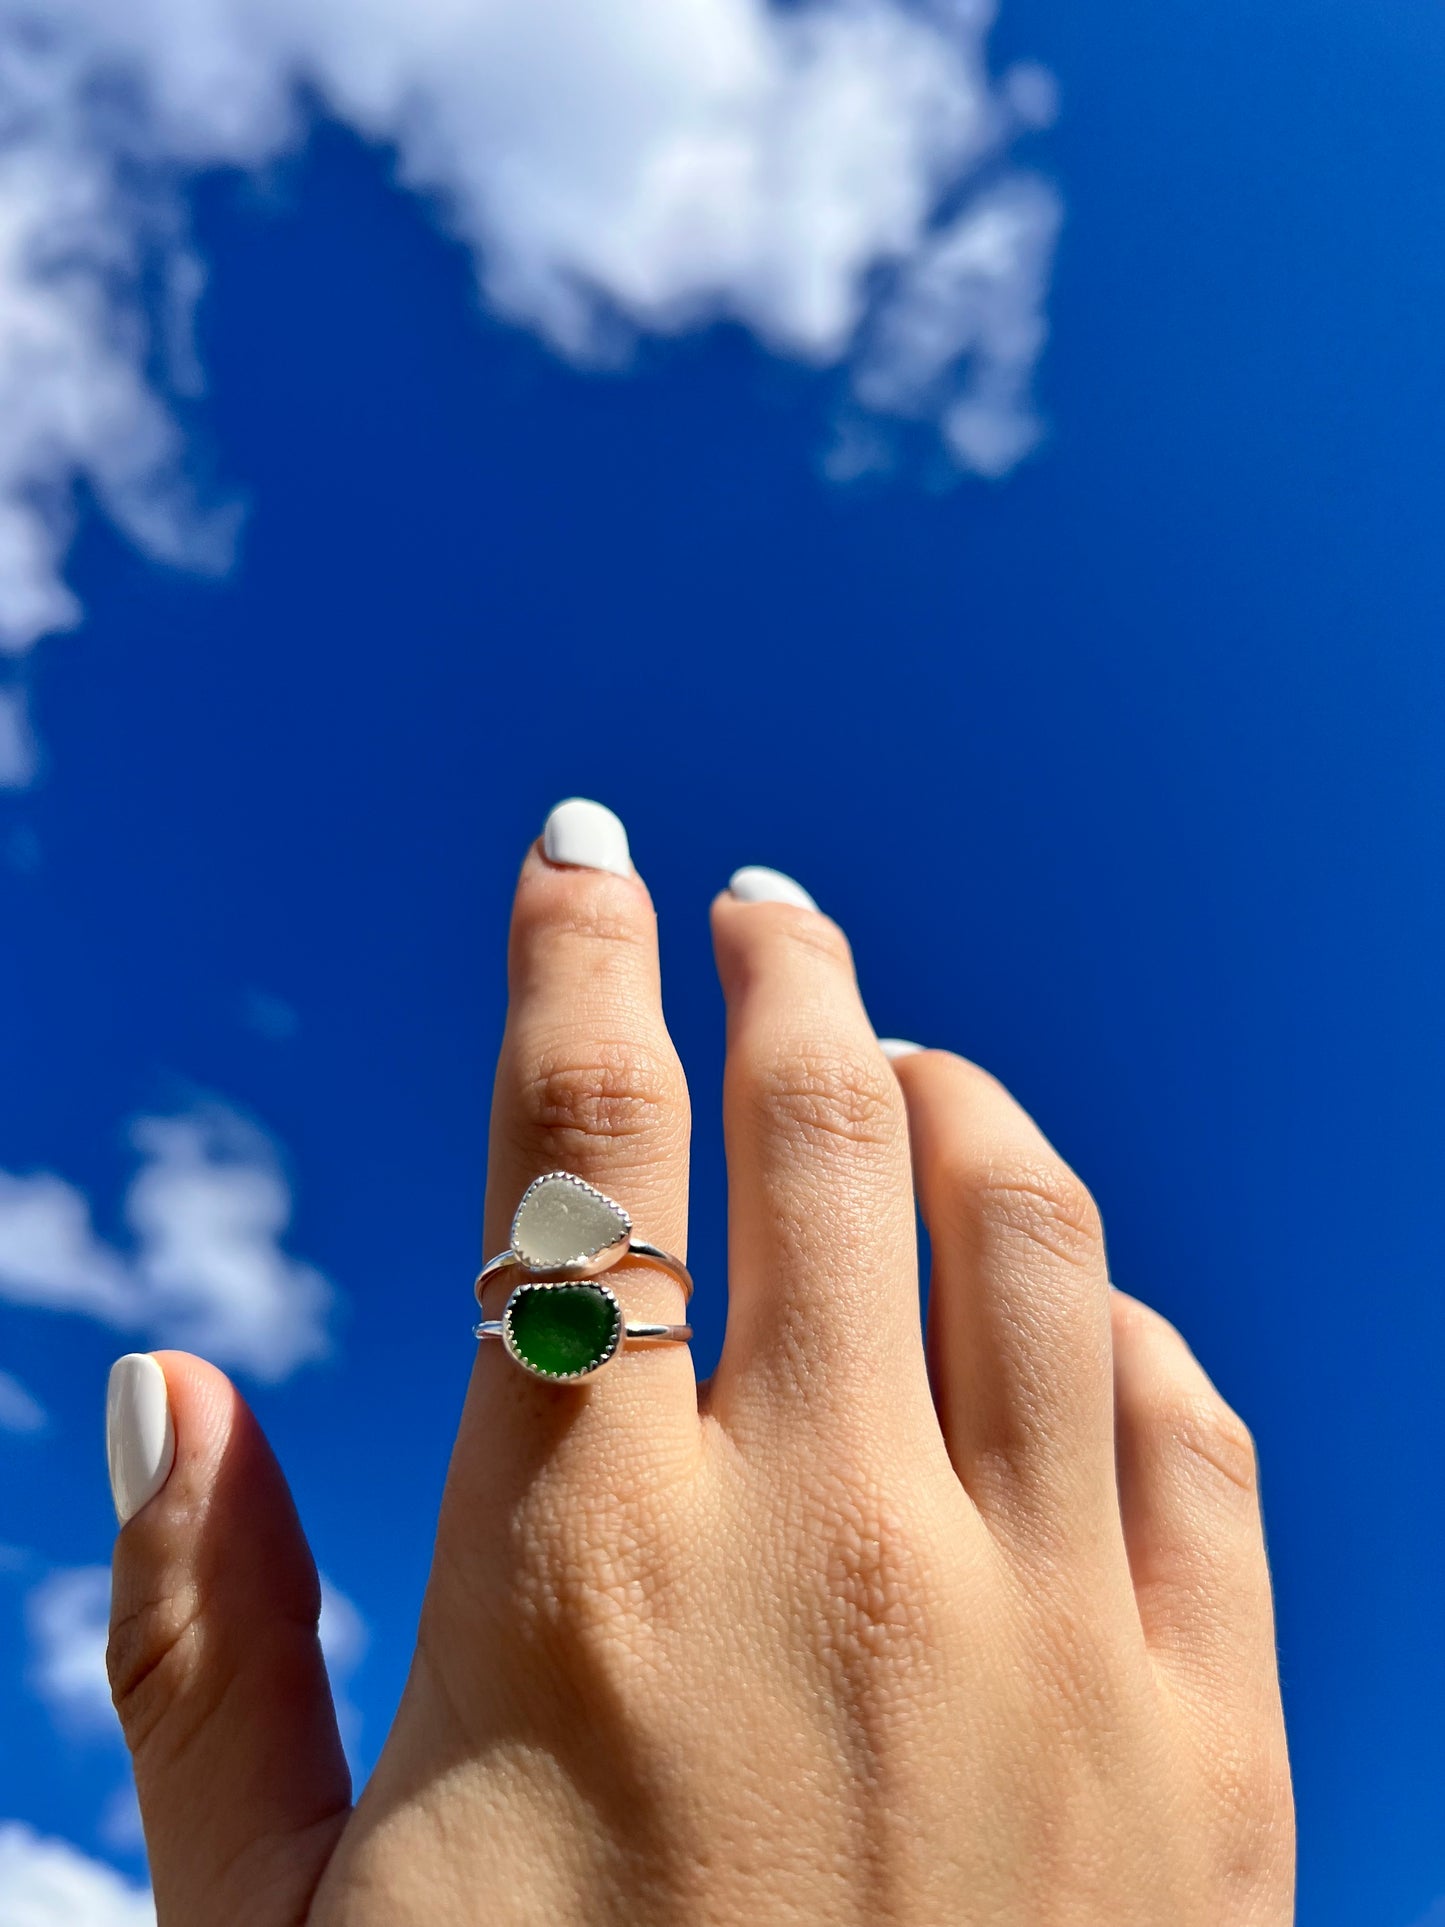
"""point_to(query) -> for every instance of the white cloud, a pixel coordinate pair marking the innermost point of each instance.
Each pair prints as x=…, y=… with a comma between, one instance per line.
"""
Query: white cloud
x=49, y=1255
x=68, y=1616
x=971, y=297
x=20, y=1411
x=49, y=1883
x=207, y=1209
x=344, y=1640
x=833, y=176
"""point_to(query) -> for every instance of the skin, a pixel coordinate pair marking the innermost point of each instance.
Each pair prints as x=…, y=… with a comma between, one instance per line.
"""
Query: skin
x=870, y=1629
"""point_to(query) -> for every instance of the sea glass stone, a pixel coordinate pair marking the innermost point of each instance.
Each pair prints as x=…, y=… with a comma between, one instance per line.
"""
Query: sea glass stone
x=563, y=1331
x=562, y=1222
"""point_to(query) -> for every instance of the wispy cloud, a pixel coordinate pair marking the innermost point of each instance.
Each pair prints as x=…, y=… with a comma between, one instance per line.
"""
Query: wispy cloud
x=68, y=1618
x=344, y=1640
x=19, y=1410
x=46, y=1882
x=835, y=177
x=207, y=1210
x=973, y=294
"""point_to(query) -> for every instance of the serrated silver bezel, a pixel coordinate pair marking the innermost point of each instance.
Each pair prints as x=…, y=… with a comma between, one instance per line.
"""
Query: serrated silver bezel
x=564, y=1284
x=586, y=1264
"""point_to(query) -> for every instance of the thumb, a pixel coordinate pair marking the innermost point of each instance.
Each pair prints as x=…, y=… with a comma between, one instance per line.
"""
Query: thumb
x=214, y=1661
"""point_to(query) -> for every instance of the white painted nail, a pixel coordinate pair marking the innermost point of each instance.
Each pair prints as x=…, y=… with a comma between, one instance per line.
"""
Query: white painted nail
x=754, y=884
x=140, y=1441
x=588, y=836
x=892, y=1047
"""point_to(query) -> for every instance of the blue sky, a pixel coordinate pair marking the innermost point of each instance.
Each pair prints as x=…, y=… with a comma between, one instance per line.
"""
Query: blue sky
x=1122, y=770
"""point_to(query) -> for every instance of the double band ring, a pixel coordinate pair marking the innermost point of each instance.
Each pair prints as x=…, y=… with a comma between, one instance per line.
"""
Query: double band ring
x=559, y=1323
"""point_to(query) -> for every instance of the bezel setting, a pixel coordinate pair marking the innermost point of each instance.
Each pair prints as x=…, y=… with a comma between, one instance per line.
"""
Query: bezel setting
x=599, y=1360
x=582, y=1264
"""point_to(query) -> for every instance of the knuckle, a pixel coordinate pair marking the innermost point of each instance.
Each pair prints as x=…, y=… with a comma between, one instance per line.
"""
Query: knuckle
x=774, y=937
x=1134, y=1319
x=1211, y=1435
x=1042, y=1201
x=882, y=1596
x=589, y=1579
x=818, y=936
x=605, y=1091
x=1274, y=1824
x=1255, y=1804
x=829, y=1097
x=179, y=1653
x=589, y=914
x=876, y=1599
x=152, y=1653
x=879, y=1611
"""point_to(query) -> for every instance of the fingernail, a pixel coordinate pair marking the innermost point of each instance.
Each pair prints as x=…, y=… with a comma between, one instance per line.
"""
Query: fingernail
x=140, y=1442
x=754, y=884
x=892, y=1047
x=588, y=836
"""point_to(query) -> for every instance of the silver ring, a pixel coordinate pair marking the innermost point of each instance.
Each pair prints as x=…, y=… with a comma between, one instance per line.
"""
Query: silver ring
x=567, y=1329
x=567, y=1228
x=559, y=1323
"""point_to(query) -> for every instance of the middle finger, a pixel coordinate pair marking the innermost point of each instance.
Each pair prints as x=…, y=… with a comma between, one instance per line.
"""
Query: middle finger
x=823, y=1295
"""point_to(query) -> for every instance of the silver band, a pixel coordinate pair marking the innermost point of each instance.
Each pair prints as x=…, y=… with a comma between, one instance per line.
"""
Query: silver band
x=633, y=1332
x=567, y=1228
x=635, y=1248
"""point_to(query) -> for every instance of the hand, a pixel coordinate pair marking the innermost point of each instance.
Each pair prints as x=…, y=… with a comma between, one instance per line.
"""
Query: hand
x=814, y=1644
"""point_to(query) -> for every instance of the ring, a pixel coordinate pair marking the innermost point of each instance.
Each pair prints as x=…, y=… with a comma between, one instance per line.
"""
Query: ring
x=559, y=1324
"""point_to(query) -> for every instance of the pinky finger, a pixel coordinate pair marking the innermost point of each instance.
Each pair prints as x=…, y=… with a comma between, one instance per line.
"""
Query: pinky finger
x=1189, y=1496
x=1189, y=1493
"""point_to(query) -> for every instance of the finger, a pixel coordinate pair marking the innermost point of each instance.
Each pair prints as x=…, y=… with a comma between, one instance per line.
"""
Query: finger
x=1189, y=1497
x=1018, y=1337
x=823, y=1291
x=214, y=1661
x=587, y=1082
